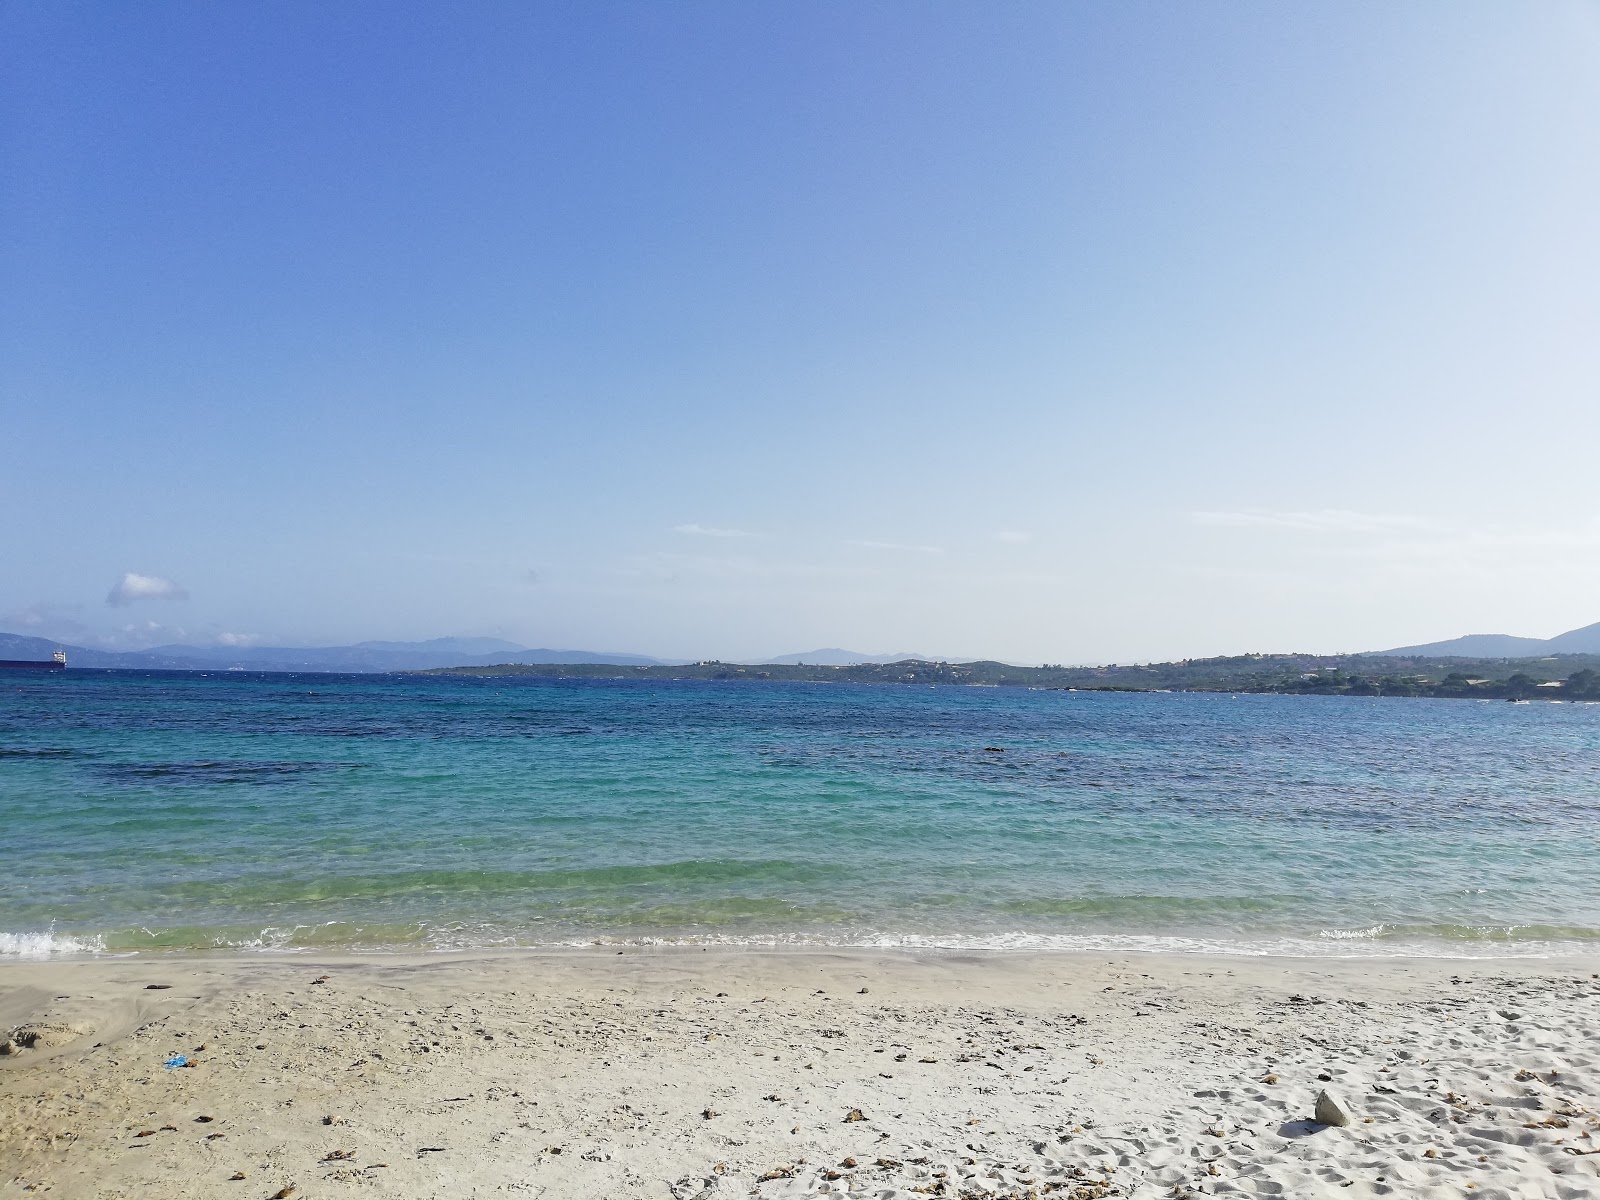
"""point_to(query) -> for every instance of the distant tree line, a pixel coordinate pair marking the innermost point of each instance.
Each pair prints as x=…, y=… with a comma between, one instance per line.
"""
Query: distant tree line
x=1564, y=677
x=1583, y=684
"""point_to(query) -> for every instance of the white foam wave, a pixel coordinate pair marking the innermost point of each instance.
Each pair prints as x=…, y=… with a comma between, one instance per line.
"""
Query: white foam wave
x=47, y=943
x=1366, y=943
x=274, y=939
x=1338, y=935
x=1332, y=944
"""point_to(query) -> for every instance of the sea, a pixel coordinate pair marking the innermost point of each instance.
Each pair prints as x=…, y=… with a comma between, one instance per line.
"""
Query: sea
x=153, y=812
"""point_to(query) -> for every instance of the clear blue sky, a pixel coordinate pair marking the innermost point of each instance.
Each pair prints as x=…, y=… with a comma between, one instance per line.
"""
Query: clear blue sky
x=1047, y=331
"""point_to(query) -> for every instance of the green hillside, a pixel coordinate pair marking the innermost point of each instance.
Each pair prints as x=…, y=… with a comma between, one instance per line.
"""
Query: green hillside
x=1578, y=675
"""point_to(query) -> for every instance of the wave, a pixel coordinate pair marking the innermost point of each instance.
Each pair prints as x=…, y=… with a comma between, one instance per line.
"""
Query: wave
x=1377, y=942
x=288, y=939
x=47, y=943
x=1115, y=943
x=778, y=923
x=1451, y=932
x=1147, y=906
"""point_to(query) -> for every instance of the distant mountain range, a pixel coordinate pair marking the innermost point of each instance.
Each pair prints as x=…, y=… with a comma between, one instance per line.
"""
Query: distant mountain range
x=832, y=656
x=360, y=658
x=1504, y=645
x=377, y=657
x=364, y=657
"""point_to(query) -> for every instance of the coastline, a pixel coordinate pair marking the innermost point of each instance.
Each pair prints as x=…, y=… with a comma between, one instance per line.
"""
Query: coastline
x=333, y=940
x=589, y=1072
x=1355, y=675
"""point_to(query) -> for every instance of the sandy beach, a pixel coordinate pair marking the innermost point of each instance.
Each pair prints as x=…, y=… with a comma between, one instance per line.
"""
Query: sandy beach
x=682, y=1073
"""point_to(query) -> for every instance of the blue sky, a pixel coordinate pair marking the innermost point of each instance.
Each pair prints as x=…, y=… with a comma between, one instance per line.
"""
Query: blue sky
x=1057, y=332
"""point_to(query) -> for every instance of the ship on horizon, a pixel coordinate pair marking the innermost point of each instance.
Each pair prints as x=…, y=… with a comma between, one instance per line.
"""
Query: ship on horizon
x=56, y=662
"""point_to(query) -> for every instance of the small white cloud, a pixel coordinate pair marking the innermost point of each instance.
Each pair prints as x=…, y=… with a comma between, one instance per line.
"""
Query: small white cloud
x=238, y=639
x=133, y=587
x=709, y=531
x=1014, y=536
x=45, y=619
x=31, y=617
x=871, y=545
x=148, y=633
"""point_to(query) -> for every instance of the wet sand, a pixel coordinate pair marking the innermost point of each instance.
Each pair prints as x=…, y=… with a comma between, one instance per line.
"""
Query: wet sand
x=681, y=1073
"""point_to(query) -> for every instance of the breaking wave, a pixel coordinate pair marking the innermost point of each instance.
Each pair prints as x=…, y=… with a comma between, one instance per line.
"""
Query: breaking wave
x=42, y=944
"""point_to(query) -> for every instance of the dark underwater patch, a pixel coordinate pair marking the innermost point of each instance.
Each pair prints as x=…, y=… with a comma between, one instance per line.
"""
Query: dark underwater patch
x=215, y=771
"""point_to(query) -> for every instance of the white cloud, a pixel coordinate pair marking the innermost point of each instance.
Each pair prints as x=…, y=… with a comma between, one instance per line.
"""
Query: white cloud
x=1014, y=536
x=708, y=531
x=871, y=545
x=45, y=620
x=238, y=639
x=1322, y=520
x=31, y=617
x=140, y=634
x=1411, y=536
x=1414, y=552
x=133, y=587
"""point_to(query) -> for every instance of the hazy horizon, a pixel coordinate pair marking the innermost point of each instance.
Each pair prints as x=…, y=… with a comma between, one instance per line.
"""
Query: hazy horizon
x=1044, y=333
x=816, y=655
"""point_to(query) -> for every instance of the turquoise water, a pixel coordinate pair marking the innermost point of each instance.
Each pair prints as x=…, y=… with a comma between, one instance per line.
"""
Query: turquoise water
x=149, y=810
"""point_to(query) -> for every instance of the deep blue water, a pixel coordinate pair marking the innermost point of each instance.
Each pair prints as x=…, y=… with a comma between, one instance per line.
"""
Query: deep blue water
x=150, y=810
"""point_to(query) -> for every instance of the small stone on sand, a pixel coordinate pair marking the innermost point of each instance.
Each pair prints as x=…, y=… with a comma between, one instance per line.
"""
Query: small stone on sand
x=1328, y=1111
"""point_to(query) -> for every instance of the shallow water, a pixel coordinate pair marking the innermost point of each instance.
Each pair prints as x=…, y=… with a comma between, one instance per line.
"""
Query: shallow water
x=148, y=810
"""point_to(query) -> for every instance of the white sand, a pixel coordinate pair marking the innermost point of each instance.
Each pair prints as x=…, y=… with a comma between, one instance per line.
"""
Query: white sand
x=592, y=1075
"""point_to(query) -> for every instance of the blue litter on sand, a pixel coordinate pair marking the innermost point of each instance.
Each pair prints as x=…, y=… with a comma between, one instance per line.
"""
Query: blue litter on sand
x=177, y=1060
